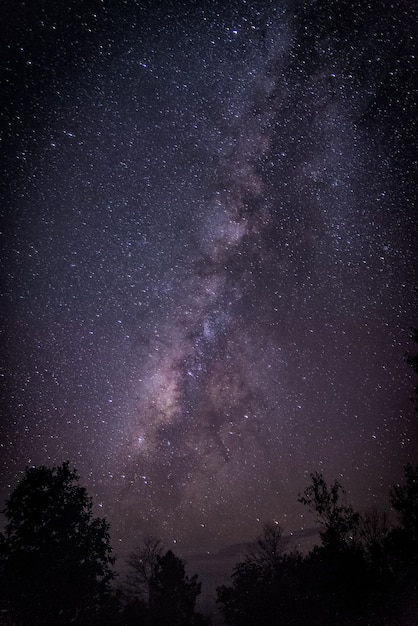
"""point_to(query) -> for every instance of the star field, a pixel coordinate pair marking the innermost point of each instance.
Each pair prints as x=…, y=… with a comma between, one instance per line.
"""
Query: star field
x=209, y=236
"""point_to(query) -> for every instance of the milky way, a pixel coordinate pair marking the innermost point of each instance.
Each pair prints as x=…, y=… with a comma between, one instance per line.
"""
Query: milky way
x=210, y=256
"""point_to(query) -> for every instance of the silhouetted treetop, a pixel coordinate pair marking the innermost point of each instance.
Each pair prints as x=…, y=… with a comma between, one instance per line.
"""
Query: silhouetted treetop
x=158, y=591
x=143, y=563
x=338, y=520
x=268, y=548
x=412, y=360
x=404, y=499
x=56, y=557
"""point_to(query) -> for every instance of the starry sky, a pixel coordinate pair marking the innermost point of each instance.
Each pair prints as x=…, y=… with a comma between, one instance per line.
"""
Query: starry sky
x=209, y=256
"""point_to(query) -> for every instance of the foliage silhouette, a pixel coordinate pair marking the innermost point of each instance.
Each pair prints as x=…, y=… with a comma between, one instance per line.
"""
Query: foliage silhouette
x=412, y=360
x=158, y=590
x=174, y=593
x=363, y=571
x=143, y=562
x=404, y=499
x=264, y=586
x=56, y=563
x=267, y=552
x=339, y=522
x=373, y=529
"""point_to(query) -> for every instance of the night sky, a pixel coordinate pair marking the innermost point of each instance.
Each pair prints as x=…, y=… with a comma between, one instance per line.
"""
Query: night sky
x=209, y=256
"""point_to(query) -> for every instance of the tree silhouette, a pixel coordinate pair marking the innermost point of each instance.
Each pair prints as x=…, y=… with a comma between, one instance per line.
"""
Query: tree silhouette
x=140, y=582
x=412, y=360
x=404, y=499
x=364, y=572
x=339, y=522
x=241, y=601
x=374, y=528
x=55, y=556
x=174, y=593
x=158, y=591
x=373, y=535
x=341, y=573
x=267, y=551
x=265, y=587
